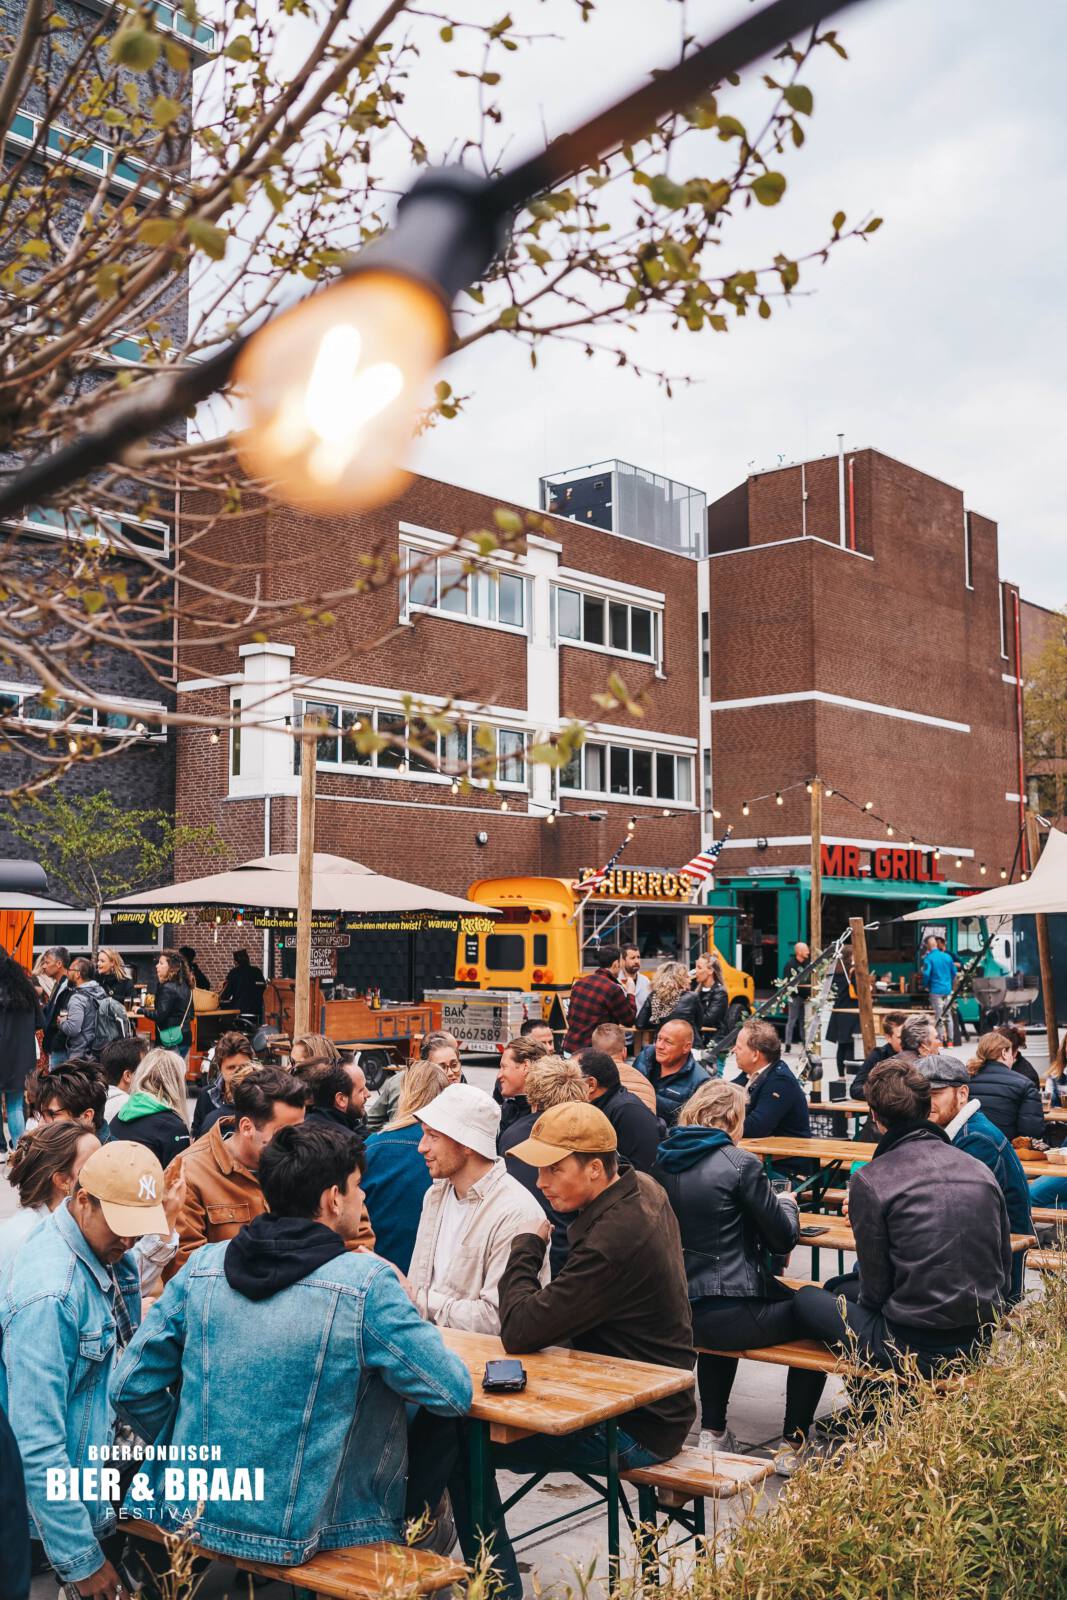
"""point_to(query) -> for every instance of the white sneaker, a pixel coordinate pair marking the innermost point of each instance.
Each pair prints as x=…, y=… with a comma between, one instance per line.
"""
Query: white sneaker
x=710, y=1441
x=789, y=1456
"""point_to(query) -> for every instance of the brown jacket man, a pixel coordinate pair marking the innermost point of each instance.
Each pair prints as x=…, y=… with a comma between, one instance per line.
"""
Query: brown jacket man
x=222, y=1190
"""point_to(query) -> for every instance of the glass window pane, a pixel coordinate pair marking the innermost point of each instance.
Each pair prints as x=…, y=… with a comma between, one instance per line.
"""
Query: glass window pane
x=570, y=776
x=620, y=770
x=568, y=614
x=39, y=710
x=235, y=743
x=328, y=744
x=392, y=725
x=642, y=772
x=664, y=777
x=453, y=595
x=511, y=765
x=619, y=626
x=505, y=952
x=683, y=767
x=421, y=748
x=594, y=768
x=354, y=722
x=422, y=585
x=592, y=620
x=453, y=747
x=511, y=600
x=640, y=631
x=483, y=596
x=9, y=705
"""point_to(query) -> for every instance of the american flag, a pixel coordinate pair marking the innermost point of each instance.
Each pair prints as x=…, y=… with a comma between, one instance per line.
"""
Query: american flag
x=597, y=878
x=703, y=865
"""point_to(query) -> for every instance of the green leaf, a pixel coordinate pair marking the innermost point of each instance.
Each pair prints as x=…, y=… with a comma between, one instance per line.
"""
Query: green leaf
x=507, y=521
x=165, y=111
x=764, y=309
x=730, y=128
x=107, y=281
x=874, y=224
x=93, y=600
x=276, y=196
x=665, y=192
x=157, y=231
x=447, y=34
x=206, y=237
x=135, y=46
x=769, y=188
x=508, y=318
x=839, y=221
x=240, y=48
x=177, y=55
x=799, y=98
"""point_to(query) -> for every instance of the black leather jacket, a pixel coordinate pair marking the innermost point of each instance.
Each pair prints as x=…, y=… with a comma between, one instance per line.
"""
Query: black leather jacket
x=731, y=1221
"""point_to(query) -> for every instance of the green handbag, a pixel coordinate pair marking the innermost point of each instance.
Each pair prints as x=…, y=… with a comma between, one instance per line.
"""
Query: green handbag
x=171, y=1038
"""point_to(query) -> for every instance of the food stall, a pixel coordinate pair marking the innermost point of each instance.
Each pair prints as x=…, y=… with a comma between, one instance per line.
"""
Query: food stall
x=349, y=902
x=23, y=886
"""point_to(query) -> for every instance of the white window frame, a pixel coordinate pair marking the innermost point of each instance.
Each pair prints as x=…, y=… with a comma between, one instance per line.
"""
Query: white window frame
x=113, y=157
x=968, y=553
x=1001, y=591
x=633, y=603
x=412, y=553
x=369, y=767
x=36, y=525
x=608, y=741
x=94, y=724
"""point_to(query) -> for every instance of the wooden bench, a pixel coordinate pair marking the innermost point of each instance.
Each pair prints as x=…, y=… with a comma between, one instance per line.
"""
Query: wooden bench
x=812, y=1356
x=1047, y=1260
x=359, y=1572
x=678, y=1488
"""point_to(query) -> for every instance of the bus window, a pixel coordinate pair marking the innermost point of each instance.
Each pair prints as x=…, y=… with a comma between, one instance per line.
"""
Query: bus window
x=540, y=953
x=505, y=952
x=970, y=936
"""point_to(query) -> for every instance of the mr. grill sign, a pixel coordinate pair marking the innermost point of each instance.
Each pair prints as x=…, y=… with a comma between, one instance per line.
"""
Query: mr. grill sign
x=886, y=864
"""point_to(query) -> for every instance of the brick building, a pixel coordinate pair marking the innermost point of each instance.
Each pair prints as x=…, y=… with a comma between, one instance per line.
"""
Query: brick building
x=520, y=649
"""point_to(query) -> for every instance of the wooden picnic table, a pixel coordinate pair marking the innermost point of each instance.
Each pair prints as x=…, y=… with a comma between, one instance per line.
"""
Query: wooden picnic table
x=1056, y=1114
x=835, y=1233
x=565, y=1390
x=838, y=1152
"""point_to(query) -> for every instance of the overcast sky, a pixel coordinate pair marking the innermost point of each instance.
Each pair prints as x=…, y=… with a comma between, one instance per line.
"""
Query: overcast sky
x=942, y=342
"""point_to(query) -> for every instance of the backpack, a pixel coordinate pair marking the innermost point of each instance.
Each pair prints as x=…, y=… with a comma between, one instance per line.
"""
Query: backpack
x=111, y=1022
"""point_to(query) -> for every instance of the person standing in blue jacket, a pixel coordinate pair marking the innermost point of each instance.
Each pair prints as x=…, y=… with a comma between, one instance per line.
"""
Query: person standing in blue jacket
x=938, y=976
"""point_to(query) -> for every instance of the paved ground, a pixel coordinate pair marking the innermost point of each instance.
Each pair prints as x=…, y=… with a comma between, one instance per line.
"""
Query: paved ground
x=555, y=1558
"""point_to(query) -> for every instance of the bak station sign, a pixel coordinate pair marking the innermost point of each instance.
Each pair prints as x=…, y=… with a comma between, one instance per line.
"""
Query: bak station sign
x=896, y=865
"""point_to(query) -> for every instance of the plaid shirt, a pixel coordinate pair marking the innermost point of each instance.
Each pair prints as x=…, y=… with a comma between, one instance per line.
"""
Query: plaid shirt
x=595, y=998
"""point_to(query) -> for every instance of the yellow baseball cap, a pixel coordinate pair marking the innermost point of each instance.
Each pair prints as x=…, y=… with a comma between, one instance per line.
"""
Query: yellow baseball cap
x=564, y=1130
x=127, y=1179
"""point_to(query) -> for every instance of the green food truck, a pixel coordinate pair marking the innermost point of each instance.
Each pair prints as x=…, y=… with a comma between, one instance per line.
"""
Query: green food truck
x=772, y=908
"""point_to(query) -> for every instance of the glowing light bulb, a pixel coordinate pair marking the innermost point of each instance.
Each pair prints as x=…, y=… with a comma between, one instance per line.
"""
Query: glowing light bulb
x=744, y=808
x=332, y=388
x=982, y=869
x=214, y=736
x=957, y=863
x=503, y=805
x=551, y=818
x=454, y=786
x=829, y=794
x=778, y=799
x=1003, y=873
x=868, y=805
x=717, y=815
x=808, y=787
x=889, y=829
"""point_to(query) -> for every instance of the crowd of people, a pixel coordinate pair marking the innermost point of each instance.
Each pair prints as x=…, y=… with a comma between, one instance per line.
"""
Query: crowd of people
x=274, y=1271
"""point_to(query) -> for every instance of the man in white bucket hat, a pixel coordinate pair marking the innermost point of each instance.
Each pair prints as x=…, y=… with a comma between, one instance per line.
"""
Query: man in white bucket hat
x=471, y=1214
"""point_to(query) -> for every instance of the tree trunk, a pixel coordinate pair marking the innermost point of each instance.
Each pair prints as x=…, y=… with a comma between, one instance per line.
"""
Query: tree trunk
x=96, y=931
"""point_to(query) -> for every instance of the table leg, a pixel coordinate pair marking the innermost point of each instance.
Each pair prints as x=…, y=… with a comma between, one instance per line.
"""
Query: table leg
x=480, y=1468
x=612, y=1428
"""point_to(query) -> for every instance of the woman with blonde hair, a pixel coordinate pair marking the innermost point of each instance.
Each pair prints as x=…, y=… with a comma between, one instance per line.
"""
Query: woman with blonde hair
x=113, y=976
x=1007, y=1098
x=395, y=1176
x=156, y=1113
x=671, y=999
x=731, y=1220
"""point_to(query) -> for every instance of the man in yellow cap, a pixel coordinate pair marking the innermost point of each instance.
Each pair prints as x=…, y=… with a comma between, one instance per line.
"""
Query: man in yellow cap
x=620, y=1292
x=71, y=1301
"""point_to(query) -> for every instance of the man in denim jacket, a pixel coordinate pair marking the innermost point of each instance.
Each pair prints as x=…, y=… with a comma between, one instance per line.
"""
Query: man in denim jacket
x=67, y=1305
x=295, y=1356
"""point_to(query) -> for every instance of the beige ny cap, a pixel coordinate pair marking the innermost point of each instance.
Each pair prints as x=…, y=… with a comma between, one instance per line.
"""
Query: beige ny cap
x=127, y=1179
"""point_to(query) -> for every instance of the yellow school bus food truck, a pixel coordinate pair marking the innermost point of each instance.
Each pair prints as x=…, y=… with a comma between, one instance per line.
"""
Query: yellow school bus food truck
x=538, y=946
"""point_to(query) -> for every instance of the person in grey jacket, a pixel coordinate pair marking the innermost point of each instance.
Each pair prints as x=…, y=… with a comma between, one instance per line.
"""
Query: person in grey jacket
x=933, y=1242
x=731, y=1221
x=78, y=1027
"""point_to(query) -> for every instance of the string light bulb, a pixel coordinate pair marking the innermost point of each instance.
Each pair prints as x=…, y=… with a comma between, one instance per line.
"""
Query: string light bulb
x=454, y=786
x=1003, y=873
x=717, y=815
x=778, y=798
x=937, y=855
x=868, y=805
x=744, y=808
x=551, y=819
x=214, y=736
x=958, y=863
x=889, y=829
x=808, y=787
x=829, y=794
x=982, y=869
x=72, y=746
x=503, y=805
x=1023, y=877
x=666, y=813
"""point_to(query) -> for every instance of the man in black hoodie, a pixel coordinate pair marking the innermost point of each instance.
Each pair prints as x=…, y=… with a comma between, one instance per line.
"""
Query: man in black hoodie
x=338, y=1093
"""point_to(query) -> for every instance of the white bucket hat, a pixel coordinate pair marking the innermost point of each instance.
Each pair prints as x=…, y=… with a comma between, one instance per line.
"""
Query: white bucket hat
x=465, y=1114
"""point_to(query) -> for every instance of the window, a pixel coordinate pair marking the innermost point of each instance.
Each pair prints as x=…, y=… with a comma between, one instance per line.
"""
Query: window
x=443, y=584
x=505, y=952
x=1003, y=624
x=540, y=949
x=411, y=746
x=968, y=570
x=235, y=740
x=31, y=705
x=75, y=523
x=608, y=624
x=616, y=769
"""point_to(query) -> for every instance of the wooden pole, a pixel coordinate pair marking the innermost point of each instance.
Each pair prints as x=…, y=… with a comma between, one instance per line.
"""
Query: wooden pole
x=305, y=863
x=815, y=916
x=1044, y=952
x=864, y=996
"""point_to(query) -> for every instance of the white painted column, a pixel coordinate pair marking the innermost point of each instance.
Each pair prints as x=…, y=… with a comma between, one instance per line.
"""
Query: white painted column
x=707, y=829
x=266, y=713
x=542, y=662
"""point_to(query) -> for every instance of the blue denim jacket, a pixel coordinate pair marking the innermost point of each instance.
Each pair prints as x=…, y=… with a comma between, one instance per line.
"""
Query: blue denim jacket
x=57, y=1342
x=309, y=1385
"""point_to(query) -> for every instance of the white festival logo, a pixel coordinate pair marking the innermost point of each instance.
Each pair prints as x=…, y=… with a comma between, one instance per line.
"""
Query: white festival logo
x=147, y=1190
